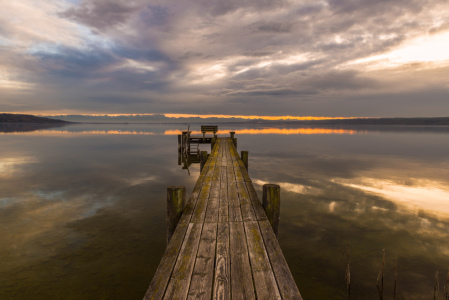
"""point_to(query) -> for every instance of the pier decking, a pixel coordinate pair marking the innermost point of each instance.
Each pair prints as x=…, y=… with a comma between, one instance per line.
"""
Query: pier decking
x=223, y=246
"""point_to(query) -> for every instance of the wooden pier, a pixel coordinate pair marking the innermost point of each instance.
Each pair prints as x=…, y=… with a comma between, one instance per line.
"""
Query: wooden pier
x=224, y=246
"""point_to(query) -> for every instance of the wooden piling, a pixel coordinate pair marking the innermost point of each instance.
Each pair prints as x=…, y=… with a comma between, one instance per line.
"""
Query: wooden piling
x=271, y=203
x=179, y=142
x=176, y=201
x=244, y=157
x=212, y=142
x=203, y=159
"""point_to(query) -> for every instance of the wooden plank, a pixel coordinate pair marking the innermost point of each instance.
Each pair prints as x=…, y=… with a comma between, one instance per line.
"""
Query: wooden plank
x=222, y=276
x=201, y=206
x=182, y=273
x=161, y=278
x=203, y=272
x=284, y=278
x=217, y=172
x=241, y=278
x=264, y=280
x=213, y=203
x=223, y=214
x=246, y=206
x=258, y=209
x=235, y=215
x=238, y=172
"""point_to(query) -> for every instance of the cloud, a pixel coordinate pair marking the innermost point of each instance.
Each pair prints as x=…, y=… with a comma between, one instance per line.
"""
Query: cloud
x=102, y=14
x=178, y=53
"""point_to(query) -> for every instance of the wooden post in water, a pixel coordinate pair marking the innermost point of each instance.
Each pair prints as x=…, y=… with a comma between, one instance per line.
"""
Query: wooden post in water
x=179, y=142
x=176, y=201
x=271, y=203
x=212, y=142
x=203, y=159
x=184, y=142
x=244, y=156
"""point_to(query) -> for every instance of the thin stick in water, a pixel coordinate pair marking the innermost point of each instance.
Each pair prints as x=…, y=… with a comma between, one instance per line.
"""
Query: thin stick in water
x=380, y=277
x=348, y=273
x=395, y=277
x=436, y=286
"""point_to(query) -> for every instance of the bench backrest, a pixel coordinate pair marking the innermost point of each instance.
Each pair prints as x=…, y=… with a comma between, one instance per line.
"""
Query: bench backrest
x=209, y=128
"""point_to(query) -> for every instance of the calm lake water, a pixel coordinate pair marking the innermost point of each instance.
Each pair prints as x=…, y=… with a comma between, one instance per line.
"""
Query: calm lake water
x=82, y=207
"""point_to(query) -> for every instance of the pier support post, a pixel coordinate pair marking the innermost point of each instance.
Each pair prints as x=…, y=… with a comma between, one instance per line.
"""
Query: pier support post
x=271, y=203
x=244, y=156
x=203, y=159
x=179, y=142
x=176, y=201
x=212, y=142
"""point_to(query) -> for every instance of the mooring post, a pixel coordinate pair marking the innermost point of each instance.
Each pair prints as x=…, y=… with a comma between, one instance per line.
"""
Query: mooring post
x=244, y=156
x=212, y=142
x=176, y=201
x=232, y=134
x=203, y=159
x=184, y=142
x=271, y=203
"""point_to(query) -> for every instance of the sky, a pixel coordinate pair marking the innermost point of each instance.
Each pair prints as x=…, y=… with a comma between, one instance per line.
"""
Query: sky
x=334, y=58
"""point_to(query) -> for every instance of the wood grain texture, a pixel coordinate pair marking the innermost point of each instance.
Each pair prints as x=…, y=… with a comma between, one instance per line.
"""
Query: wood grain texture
x=202, y=277
x=264, y=280
x=242, y=286
x=224, y=246
x=182, y=273
x=284, y=278
x=222, y=276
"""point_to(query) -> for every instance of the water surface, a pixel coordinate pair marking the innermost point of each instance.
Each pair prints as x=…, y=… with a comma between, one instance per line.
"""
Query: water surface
x=82, y=207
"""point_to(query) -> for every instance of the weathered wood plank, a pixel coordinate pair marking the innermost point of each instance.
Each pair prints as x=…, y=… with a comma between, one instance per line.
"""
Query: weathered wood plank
x=217, y=172
x=161, y=278
x=223, y=214
x=201, y=205
x=202, y=277
x=213, y=203
x=264, y=280
x=182, y=273
x=257, y=205
x=235, y=214
x=222, y=276
x=241, y=279
x=284, y=278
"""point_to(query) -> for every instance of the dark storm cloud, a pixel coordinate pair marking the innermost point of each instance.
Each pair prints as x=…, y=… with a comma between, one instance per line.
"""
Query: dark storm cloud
x=101, y=14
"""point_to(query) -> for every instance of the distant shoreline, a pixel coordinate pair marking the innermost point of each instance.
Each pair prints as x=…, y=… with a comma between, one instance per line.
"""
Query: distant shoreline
x=22, y=118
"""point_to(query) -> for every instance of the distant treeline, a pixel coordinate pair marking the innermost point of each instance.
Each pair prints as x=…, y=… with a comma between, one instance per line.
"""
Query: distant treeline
x=158, y=118
x=19, y=118
x=375, y=121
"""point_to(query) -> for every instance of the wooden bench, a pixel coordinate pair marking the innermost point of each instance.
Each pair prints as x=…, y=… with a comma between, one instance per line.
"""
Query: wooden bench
x=209, y=128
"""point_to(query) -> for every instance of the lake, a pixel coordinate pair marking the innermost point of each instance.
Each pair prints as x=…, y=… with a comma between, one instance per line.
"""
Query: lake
x=82, y=207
